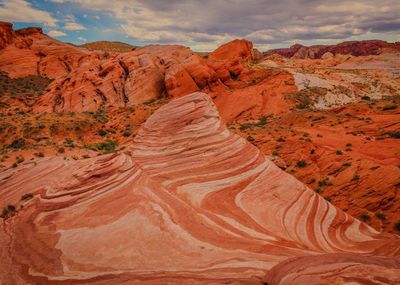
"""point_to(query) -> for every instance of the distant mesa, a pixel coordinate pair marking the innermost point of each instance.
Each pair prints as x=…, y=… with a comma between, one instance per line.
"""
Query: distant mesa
x=109, y=46
x=355, y=48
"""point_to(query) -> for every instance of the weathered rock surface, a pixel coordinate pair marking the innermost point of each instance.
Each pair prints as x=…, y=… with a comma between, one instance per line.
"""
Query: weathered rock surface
x=188, y=202
x=30, y=52
x=127, y=79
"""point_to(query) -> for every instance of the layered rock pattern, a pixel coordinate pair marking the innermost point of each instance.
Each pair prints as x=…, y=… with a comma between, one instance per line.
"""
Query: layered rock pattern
x=188, y=202
x=354, y=48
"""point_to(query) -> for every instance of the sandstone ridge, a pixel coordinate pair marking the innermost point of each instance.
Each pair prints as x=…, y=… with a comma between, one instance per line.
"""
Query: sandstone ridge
x=187, y=202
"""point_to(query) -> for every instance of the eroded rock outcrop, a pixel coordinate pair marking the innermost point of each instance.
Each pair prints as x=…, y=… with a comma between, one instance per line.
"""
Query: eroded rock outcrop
x=187, y=202
x=30, y=52
x=354, y=48
x=127, y=79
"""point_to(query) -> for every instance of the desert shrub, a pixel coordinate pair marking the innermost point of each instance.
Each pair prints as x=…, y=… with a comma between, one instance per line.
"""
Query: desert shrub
x=394, y=134
x=250, y=139
x=397, y=226
x=107, y=146
x=8, y=211
x=102, y=132
x=380, y=216
x=355, y=177
x=26, y=196
x=365, y=217
x=69, y=142
x=127, y=134
x=233, y=75
x=18, y=143
x=339, y=152
x=389, y=107
x=346, y=164
x=302, y=106
x=324, y=182
x=39, y=154
x=301, y=163
x=366, y=98
x=20, y=159
x=281, y=139
x=61, y=150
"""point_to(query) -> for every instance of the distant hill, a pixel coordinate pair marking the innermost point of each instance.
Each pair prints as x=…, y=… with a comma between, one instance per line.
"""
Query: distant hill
x=109, y=46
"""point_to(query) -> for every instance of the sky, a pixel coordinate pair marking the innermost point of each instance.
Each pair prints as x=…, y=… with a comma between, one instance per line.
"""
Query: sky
x=203, y=25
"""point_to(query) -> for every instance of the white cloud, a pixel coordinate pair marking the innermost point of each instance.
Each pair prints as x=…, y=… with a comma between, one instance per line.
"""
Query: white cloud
x=55, y=33
x=204, y=24
x=22, y=11
x=72, y=25
x=82, y=39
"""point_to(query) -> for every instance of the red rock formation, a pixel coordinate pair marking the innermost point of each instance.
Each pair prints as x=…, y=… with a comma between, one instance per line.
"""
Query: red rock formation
x=226, y=60
x=30, y=52
x=127, y=79
x=355, y=48
x=187, y=202
x=6, y=34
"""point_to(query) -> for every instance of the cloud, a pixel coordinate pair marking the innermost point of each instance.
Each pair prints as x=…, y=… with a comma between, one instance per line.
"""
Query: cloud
x=55, y=33
x=72, y=25
x=82, y=39
x=266, y=22
x=22, y=11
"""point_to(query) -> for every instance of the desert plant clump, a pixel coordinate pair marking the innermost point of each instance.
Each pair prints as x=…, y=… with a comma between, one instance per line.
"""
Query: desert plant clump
x=8, y=211
x=26, y=196
x=380, y=216
x=365, y=217
x=324, y=182
x=127, y=134
x=107, y=146
x=61, y=150
x=102, y=132
x=394, y=134
x=250, y=139
x=39, y=154
x=339, y=152
x=389, y=107
x=69, y=142
x=18, y=143
x=397, y=226
x=301, y=163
